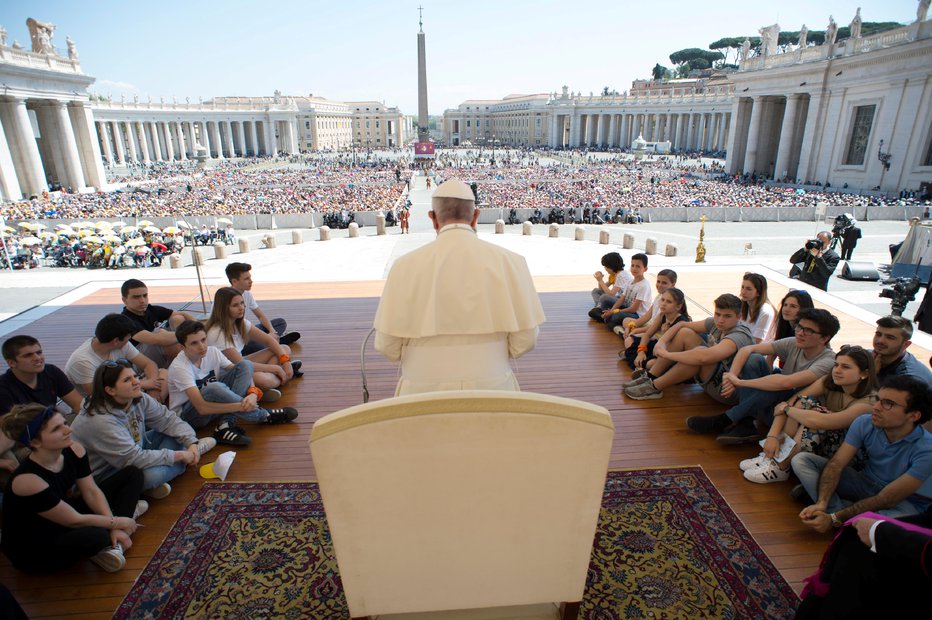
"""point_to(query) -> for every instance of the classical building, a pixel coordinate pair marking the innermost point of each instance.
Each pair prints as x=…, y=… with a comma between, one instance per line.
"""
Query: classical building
x=688, y=119
x=52, y=133
x=376, y=125
x=856, y=111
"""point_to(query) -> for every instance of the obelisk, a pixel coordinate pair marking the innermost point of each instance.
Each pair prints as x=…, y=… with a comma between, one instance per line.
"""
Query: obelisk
x=423, y=133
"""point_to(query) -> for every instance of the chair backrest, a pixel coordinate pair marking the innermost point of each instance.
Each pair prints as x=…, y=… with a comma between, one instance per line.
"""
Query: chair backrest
x=462, y=500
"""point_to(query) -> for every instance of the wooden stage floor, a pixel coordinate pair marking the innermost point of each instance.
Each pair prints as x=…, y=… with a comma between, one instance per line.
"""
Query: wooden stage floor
x=575, y=358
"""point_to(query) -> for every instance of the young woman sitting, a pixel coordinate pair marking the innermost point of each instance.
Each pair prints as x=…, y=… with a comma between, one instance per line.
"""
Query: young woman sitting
x=229, y=331
x=756, y=310
x=790, y=305
x=640, y=347
x=121, y=426
x=818, y=416
x=45, y=527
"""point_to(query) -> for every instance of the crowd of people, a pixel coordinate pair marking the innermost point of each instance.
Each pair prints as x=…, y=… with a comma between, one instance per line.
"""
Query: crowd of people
x=846, y=422
x=119, y=419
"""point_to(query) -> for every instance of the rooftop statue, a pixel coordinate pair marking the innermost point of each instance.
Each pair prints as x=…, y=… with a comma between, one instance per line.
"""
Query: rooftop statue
x=72, y=50
x=856, y=25
x=41, y=34
x=803, y=36
x=745, y=49
x=922, y=11
x=2, y=35
x=831, y=31
x=769, y=36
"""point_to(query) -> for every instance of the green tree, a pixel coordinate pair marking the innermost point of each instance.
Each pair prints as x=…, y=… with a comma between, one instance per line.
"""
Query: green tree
x=660, y=73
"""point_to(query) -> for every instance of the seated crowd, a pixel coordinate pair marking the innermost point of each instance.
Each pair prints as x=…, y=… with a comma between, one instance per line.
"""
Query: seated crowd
x=121, y=420
x=846, y=422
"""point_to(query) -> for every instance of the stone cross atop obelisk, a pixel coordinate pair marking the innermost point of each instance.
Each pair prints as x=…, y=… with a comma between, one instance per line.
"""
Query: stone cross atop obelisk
x=423, y=134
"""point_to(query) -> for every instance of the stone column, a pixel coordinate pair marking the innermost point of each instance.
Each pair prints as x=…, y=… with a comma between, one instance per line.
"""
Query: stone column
x=613, y=130
x=215, y=138
x=625, y=130
x=672, y=127
x=228, y=129
x=169, y=143
x=757, y=119
x=156, y=141
x=27, y=161
x=787, y=134
x=241, y=137
x=118, y=141
x=82, y=120
x=701, y=132
x=254, y=137
x=574, y=129
x=182, y=148
x=9, y=184
x=656, y=133
x=105, y=141
x=131, y=143
x=143, y=142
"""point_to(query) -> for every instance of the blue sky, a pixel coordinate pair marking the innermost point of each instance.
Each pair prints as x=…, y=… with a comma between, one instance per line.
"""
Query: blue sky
x=363, y=50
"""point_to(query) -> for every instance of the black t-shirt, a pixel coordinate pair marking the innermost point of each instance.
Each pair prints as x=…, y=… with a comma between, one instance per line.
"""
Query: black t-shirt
x=22, y=525
x=51, y=384
x=148, y=321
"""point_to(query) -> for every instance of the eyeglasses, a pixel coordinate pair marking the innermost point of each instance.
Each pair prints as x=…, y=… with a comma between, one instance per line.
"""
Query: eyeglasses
x=886, y=404
x=806, y=331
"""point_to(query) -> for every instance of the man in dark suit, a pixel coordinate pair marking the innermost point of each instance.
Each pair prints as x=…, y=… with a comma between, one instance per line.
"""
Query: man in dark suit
x=818, y=264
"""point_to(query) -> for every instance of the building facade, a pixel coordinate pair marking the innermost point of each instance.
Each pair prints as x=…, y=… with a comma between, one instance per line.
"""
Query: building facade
x=856, y=112
x=376, y=125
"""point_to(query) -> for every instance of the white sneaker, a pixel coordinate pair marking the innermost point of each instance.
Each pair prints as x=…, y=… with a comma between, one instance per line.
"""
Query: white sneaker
x=754, y=463
x=636, y=381
x=159, y=492
x=142, y=506
x=766, y=473
x=206, y=444
x=110, y=559
x=619, y=330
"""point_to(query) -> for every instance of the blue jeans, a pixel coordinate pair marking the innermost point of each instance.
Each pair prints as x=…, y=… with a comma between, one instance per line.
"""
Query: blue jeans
x=157, y=474
x=754, y=403
x=603, y=300
x=279, y=325
x=230, y=388
x=853, y=486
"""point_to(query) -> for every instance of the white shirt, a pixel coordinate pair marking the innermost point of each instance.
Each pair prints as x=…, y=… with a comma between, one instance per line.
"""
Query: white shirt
x=639, y=291
x=760, y=328
x=184, y=374
x=216, y=338
x=84, y=362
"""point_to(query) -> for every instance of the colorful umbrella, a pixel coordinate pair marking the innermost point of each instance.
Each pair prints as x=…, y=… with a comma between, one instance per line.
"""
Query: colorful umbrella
x=142, y=223
x=30, y=240
x=172, y=230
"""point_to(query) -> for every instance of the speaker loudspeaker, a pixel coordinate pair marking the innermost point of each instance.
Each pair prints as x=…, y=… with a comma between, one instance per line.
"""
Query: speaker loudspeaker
x=860, y=271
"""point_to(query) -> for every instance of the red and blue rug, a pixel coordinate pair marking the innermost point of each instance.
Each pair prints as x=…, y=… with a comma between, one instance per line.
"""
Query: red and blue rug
x=667, y=546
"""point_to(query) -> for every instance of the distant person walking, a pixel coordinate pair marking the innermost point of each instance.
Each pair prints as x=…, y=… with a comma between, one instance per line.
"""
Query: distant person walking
x=849, y=239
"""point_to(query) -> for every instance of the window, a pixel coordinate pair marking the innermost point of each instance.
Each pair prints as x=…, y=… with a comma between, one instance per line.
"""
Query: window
x=860, y=133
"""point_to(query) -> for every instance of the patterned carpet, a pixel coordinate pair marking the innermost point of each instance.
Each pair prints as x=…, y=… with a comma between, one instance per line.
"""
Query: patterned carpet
x=667, y=546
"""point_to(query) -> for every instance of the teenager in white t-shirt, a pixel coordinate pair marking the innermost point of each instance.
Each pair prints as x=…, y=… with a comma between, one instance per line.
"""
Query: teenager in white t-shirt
x=636, y=299
x=205, y=386
x=240, y=278
x=111, y=342
x=229, y=331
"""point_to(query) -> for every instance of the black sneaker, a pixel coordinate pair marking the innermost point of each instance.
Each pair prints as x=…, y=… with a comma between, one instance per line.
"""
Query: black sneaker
x=708, y=423
x=289, y=338
x=744, y=431
x=296, y=368
x=281, y=415
x=596, y=314
x=231, y=436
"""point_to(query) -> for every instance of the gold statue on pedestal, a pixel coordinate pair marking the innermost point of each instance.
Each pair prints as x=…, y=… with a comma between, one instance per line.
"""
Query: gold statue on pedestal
x=700, y=249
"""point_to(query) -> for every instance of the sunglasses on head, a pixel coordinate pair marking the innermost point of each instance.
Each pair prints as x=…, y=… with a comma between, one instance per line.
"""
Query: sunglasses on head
x=125, y=363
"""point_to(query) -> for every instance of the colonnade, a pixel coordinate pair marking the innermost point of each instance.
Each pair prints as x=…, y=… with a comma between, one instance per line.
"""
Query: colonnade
x=704, y=131
x=148, y=141
x=59, y=148
x=769, y=134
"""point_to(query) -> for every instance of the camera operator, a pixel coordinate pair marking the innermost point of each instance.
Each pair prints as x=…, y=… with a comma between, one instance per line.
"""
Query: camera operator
x=818, y=261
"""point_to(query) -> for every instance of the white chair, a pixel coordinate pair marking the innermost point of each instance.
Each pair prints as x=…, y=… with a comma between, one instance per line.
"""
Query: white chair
x=463, y=500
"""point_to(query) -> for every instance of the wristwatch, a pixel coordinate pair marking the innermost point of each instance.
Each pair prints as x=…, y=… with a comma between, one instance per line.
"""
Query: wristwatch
x=836, y=522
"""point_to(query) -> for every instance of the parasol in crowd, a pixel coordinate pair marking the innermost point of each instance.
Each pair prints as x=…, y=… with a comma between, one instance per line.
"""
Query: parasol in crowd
x=93, y=239
x=224, y=220
x=103, y=226
x=134, y=242
x=31, y=240
x=129, y=229
x=8, y=229
x=81, y=225
x=112, y=238
x=172, y=230
x=183, y=224
x=142, y=223
x=151, y=229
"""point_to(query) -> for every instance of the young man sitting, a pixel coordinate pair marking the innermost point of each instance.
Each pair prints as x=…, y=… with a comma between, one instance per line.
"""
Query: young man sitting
x=681, y=353
x=891, y=339
x=240, y=278
x=806, y=357
x=30, y=380
x=111, y=342
x=205, y=387
x=897, y=480
x=154, y=324
x=636, y=299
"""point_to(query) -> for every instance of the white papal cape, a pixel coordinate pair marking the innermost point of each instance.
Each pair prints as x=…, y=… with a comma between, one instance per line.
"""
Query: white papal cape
x=454, y=312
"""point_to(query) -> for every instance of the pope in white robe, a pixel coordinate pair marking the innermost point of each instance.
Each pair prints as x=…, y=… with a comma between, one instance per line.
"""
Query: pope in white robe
x=456, y=311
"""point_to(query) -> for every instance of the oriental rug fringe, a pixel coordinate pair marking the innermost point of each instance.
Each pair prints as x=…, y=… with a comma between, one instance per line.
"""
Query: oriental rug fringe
x=667, y=546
